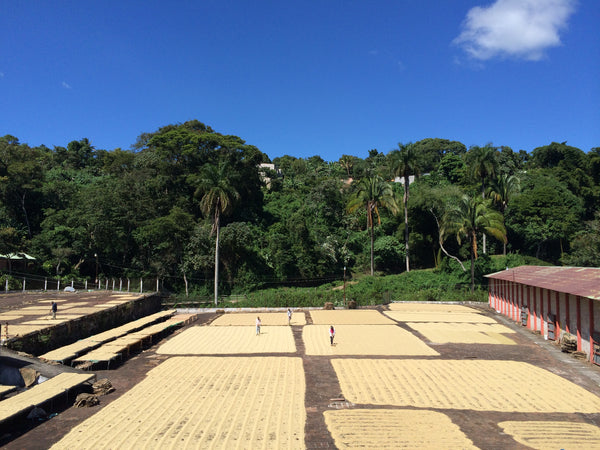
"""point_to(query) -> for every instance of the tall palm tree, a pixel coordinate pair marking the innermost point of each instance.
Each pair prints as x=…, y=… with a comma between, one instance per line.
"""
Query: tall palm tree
x=347, y=162
x=373, y=193
x=502, y=190
x=404, y=163
x=469, y=216
x=482, y=164
x=217, y=197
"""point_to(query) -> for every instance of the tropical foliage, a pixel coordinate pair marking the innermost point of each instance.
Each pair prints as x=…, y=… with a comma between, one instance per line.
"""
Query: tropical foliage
x=373, y=193
x=468, y=218
x=195, y=208
x=405, y=163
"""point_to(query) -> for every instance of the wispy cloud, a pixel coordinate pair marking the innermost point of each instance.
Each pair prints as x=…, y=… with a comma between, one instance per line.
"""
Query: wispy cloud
x=522, y=29
x=66, y=85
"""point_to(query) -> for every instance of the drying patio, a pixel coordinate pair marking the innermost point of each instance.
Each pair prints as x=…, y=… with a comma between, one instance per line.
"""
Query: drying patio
x=395, y=374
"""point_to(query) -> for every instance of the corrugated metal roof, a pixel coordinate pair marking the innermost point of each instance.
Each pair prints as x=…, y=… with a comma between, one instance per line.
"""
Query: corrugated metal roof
x=17, y=256
x=582, y=281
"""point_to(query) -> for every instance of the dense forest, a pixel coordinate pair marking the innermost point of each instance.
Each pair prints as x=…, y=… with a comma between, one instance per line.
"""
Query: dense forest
x=186, y=196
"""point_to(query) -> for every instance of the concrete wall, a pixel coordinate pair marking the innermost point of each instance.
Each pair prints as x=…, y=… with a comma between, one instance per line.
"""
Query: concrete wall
x=42, y=341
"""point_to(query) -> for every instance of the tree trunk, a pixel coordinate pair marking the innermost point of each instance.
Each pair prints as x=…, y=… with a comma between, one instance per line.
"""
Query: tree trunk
x=406, y=181
x=372, y=250
x=506, y=237
x=406, y=237
x=441, y=242
x=472, y=269
x=25, y=215
x=562, y=250
x=473, y=245
x=483, y=232
x=76, y=266
x=218, y=230
x=187, y=293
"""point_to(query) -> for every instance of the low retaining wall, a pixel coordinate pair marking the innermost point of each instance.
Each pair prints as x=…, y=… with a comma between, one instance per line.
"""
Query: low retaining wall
x=42, y=341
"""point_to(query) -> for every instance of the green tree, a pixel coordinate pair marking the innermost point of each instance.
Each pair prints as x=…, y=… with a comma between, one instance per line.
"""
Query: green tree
x=431, y=151
x=10, y=242
x=585, y=246
x=61, y=255
x=509, y=162
x=502, y=190
x=199, y=257
x=432, y=199
x=388, y=254
x=217, y=198
x=558, y=155
x=347, y=162
x=571, y=166
x=172, y=158
x=243, y=267
x=372, y=193
x=544, y=216
x=96, y=215
x=594, y=164
x=374, y=164
x=116, y=162
x=467, y=218
x=452, y=168
x=78, y=155
x=21, y=181
x=482, y=163
x=162, y=241
x=405, y=162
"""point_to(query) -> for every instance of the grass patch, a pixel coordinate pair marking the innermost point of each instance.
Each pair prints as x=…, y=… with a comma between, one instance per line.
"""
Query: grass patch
x=448, y=283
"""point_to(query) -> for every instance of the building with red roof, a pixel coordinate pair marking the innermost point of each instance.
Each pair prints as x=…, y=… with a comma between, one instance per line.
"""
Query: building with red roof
x=553, y=301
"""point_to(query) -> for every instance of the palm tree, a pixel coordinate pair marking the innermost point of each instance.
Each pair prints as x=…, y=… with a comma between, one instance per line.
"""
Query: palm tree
x=373, y=193
x=404, y=163
x=218, y=195
x=482, y=165
x=502, y=190
x=347, y=162
x=468, y=217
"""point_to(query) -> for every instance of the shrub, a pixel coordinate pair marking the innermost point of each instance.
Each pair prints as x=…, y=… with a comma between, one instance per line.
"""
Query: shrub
x=448, y=283
x=13, y=283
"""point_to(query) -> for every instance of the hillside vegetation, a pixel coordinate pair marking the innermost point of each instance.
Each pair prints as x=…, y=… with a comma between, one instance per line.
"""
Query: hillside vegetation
x=209, y=215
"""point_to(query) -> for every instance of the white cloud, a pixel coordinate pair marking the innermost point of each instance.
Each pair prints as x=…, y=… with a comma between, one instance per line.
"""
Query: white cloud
x=66, y=85
x=516, y=28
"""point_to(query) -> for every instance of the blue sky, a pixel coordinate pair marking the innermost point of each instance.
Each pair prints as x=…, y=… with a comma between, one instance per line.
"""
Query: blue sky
x=303, y=78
